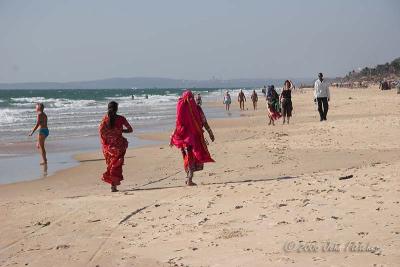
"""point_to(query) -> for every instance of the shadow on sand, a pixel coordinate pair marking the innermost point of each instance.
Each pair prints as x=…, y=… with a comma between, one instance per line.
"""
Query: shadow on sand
x=101, y=159
x=203, y=184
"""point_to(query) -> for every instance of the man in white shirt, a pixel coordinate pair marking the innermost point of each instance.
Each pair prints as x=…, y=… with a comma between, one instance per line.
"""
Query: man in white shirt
x=322, y=96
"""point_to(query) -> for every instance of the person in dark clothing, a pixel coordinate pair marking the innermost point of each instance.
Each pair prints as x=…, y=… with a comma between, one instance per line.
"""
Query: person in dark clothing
x=286, y=101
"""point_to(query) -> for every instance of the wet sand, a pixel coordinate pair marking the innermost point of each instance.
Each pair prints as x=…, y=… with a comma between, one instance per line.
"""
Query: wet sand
x=296, y=194
x=19, y=161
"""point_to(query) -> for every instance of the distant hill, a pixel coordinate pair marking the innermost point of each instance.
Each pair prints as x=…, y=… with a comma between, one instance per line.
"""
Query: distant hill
x=144, y=82
x=388, y=71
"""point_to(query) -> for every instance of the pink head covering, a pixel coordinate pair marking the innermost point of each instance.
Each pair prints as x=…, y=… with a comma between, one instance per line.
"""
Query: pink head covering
x=189, y=128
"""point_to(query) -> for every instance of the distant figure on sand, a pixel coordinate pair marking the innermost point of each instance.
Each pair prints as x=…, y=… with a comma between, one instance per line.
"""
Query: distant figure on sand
x=286, y=100
x=322, y=96
x=241, y=99
x=254, y=99
x=227, y=100
x=114, y=144
x=264, y=90
x=188, y=135
x=273, y=105
x=384, y=85
x=41, y=124
x=199, y=101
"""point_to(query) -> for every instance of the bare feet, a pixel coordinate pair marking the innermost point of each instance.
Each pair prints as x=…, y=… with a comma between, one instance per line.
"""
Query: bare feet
x=189, y=177
x=190, y=183
x=114, y=188
x=43, y=163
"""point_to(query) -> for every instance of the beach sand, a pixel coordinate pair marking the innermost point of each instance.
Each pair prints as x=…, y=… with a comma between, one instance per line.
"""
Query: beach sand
x=273, y=197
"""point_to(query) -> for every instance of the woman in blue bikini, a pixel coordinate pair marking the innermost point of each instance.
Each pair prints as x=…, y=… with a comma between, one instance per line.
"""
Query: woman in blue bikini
x=41, y=124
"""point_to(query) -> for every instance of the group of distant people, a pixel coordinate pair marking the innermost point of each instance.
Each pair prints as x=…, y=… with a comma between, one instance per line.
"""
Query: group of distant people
x=280, y=105
x=188, y=135
x=275, y=103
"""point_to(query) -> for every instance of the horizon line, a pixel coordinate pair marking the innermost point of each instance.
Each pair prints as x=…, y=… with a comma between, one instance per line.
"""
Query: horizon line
x=159, y=77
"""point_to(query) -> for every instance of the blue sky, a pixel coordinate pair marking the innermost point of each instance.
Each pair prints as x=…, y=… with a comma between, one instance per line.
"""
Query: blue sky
x=55, y=40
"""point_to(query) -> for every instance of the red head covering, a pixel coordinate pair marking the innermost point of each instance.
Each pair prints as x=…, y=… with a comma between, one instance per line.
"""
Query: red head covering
x=189, y=128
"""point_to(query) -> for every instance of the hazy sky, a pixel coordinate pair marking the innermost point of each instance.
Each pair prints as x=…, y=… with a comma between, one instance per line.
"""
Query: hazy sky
x=71, y=40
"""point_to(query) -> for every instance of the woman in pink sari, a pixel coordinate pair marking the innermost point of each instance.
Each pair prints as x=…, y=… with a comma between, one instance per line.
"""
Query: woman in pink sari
x=189, y=137
x=114, y=145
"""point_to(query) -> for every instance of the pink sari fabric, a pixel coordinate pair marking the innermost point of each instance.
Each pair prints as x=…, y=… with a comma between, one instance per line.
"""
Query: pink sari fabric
x=188, y=132
x=114, y=146
x=273, y=114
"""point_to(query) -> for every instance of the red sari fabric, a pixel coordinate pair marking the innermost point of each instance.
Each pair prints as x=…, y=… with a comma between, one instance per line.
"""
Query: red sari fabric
x=273, y=113
x=188, y=134
x=114, y=146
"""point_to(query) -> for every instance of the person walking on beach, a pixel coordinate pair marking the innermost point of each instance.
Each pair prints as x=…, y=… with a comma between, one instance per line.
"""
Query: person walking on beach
x=199, y=101
x=114, y=144
x=286, y=100
x=188, y=135
x=227, y=100
x=273, y=105
x=322, y=96
x=241, y=99
x=264, y=91
x=254, y=99
x=41, y=124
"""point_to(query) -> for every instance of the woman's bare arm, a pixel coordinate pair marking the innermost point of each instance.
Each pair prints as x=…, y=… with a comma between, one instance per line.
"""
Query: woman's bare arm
x=36, y=126
x=128, y=127
x=208, y=129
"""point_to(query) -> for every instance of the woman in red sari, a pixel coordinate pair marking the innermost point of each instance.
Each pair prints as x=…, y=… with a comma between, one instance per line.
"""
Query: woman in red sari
x=188, y=135
x=114, y=145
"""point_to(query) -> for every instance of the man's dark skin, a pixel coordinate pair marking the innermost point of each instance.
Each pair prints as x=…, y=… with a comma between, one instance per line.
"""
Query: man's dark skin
x=241, y=99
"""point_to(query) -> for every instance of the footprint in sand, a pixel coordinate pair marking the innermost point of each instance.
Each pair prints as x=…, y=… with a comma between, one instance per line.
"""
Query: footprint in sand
x=63, y=246
x=282, y=222
x=231, y=233
x=203, y=221
x=363, y=234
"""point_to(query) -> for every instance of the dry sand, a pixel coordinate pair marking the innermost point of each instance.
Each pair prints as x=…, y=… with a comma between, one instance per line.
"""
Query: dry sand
x=271, y=189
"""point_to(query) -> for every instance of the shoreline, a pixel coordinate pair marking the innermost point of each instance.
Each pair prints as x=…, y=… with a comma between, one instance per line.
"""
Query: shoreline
x=151, y=139
x=61, y=158
x=269, y=186
x=65, y=151
x=146, y=138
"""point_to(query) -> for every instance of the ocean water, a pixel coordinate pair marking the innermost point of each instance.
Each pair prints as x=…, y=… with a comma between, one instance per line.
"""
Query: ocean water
x=77, y=113
x=73, y=119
